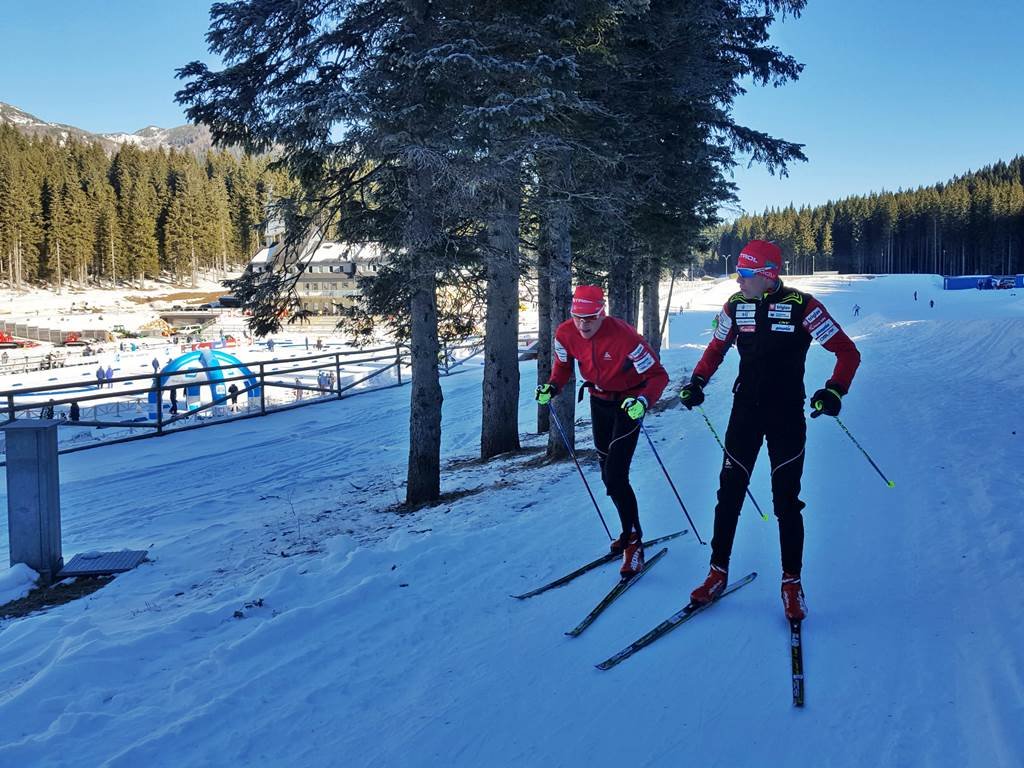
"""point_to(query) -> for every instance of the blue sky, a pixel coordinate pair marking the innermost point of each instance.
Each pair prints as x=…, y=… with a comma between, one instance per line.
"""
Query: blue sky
x=894, y=94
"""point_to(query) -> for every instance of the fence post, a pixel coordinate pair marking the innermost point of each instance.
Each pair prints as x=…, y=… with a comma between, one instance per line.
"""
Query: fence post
x=263, y=390
x=10, y=408
x=159, y=405
x=337, y=374
x=398, y=361
x=33, y=496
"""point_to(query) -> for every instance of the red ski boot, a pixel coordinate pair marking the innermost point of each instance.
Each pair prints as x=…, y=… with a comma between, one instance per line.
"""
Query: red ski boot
x=619, y=545
x=632, y=557
x=712, y=587
x=793, y=597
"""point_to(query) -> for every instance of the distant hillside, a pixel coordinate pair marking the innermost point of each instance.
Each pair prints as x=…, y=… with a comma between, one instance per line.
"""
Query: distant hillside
x=193, y=138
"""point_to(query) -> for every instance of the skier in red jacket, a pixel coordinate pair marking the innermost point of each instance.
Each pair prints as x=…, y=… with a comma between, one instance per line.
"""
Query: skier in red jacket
x=625, y=379
x=772, y=327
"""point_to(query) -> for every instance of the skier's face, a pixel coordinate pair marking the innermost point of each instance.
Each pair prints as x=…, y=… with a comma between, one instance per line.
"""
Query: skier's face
x=587, y=325
x=754, y=286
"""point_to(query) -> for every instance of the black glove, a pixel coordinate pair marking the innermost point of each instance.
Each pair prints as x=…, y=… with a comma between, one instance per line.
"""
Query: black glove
x=828, y=401
x=692, y=394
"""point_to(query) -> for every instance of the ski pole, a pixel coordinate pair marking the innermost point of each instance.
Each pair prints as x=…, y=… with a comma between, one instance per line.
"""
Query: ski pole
x=565, y=441
x=720, y=445
x=673, y=485
x=888, y=482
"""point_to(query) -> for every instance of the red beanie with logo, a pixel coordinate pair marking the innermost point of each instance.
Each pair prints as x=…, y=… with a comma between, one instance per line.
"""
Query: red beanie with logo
x=761, y=255
x=587, y=300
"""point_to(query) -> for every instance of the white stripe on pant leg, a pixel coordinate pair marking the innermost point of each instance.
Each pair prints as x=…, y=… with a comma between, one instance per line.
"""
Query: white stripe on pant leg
x=788, y=461
x=620, y=437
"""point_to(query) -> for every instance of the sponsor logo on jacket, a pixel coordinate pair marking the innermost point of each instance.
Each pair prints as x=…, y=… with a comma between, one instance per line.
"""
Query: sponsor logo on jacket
x=824, y=331
x=560, y=353
x=724, y=326
x=642, y=359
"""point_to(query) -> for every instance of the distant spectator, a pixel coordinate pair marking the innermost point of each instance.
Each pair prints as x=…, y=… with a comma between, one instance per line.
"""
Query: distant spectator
x=319, y=344
x=270, y=345
x=75, y=412
x=4, y=358
x=856, y=310
x=298, y=388
x=174, y=400
x=110, y=377
x=307, y=343
x=100, y=376
x=47, y=411
x=233, y=392
x=156, y=365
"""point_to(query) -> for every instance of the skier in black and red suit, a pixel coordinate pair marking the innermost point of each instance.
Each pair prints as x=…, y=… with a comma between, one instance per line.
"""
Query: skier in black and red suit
x=625, y=378
x=772, y=326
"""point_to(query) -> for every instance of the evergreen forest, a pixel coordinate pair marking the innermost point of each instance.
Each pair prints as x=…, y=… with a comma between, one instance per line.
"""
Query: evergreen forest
x=71, y=214
x=970, y=225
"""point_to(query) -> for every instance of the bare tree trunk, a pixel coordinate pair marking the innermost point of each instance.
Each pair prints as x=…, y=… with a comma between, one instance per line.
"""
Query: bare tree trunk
x=424, y=470
x=652, y=314
x=543, y=330
x=559, y=239
x=499, y=431
x=620, y=303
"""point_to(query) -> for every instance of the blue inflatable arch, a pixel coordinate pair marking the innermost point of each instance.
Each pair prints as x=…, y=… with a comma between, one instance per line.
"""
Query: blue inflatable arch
x=204, y=358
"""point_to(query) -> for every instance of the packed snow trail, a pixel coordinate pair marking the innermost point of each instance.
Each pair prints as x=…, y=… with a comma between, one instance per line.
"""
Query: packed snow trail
x=287, y=618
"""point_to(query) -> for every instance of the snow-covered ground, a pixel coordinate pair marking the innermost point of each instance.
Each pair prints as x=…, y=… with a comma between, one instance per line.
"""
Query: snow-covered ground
x=288, y=618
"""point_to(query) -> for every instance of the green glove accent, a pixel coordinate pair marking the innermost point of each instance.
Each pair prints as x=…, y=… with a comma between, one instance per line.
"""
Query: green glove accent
x=826, y=401
x=635, y=407
x=544, y=393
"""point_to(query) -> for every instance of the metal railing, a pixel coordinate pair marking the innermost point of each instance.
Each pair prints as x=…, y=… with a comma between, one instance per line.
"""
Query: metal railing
x=137, y=406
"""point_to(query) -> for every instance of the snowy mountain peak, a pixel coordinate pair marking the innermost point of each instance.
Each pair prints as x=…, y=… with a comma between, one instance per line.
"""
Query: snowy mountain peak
x=192, y=138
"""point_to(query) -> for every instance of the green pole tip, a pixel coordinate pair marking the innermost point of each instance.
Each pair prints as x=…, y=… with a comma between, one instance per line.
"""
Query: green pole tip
x=892, y=484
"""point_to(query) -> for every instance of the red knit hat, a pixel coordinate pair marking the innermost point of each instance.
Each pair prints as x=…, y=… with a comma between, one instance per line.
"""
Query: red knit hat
x=761, y=255
x=587, y=300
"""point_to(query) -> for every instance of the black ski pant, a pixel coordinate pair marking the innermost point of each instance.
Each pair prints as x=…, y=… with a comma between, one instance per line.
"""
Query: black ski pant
x=785, y=430
x=615, y=436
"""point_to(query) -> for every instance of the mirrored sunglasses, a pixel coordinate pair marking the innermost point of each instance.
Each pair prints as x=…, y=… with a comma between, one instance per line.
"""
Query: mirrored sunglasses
x=748, y=272
x=591, y=316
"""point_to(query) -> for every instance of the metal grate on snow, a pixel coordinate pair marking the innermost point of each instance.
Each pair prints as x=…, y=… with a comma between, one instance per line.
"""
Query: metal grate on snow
x=102, y=563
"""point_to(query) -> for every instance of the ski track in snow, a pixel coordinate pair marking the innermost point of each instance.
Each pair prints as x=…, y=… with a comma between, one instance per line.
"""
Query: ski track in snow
x=367, y=638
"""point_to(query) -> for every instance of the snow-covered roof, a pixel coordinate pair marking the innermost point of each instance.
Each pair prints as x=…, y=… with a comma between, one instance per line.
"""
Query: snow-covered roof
x=328, y=252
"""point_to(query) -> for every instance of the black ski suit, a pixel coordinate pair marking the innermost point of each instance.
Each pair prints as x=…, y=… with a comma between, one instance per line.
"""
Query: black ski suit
x=772, y=334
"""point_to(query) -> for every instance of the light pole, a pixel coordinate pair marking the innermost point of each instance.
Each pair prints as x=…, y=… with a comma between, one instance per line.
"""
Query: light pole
x=787, y=267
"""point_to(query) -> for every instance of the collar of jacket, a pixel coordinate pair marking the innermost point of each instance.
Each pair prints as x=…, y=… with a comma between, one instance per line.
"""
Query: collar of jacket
x=777, y=289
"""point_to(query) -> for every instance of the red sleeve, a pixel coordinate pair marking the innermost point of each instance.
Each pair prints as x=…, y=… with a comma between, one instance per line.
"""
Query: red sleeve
x=725, y=334
x=826, y=331
x=655, y=377
x=561, y=362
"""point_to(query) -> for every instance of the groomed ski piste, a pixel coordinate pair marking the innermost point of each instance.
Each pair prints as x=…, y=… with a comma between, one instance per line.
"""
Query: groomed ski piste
x=288, y=618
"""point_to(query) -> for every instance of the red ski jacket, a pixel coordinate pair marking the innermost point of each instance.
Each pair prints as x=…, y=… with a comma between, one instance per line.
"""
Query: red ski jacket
x=616, y=361
x=772, y=334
